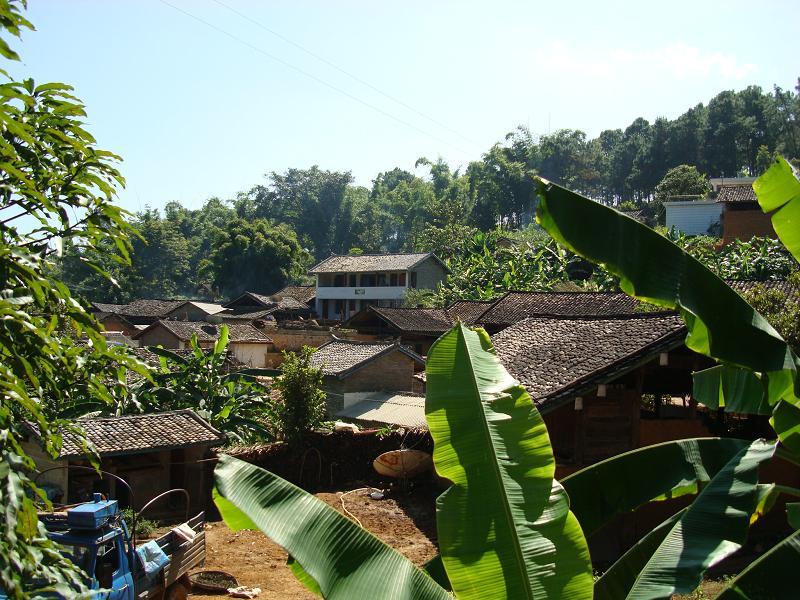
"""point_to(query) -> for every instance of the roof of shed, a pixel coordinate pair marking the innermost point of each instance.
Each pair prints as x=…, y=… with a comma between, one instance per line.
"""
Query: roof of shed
x=736, y=193
x=558, y=358
x=140, y=308
x=303, y=293
x=468, y=311
x=283, y=303
x=516, y=306
x=391, y=409
x=137, y=434
x=207, y=332
x=342, y=357
x=433, y=321
x=366, y=263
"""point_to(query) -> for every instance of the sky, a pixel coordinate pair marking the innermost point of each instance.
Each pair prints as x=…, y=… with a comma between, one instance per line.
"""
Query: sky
x=203, y=98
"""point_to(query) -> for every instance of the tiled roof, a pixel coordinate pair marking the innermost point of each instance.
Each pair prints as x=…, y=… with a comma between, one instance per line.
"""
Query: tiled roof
x=556, y=358
x=207, y=332
x=149, y=308
x=105, y=307
x=737, y=193
x=415, y=320
x=303, y=293
x=341, y=357
x=370, y=262
x=468, y=311
x=515, y=306
x=144, y=433
x=780, y=284
x=391, y=409
x=284, y=303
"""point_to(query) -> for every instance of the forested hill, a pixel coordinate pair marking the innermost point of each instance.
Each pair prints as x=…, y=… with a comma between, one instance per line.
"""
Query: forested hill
x=270, y=234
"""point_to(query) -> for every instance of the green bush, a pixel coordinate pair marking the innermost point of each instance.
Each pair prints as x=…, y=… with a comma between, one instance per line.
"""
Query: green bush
x=302, y=405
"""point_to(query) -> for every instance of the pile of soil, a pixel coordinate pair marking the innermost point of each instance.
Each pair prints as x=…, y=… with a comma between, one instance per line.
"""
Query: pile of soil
x=403, y=519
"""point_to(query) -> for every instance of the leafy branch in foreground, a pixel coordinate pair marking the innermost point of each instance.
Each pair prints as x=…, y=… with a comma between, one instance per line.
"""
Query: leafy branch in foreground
x=56, y=187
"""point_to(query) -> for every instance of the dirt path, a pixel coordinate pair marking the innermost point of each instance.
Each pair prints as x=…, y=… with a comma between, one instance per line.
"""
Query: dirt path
x=404, y=521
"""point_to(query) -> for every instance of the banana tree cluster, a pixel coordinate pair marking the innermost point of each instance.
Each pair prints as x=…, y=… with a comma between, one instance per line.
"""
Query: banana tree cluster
x=506, y=527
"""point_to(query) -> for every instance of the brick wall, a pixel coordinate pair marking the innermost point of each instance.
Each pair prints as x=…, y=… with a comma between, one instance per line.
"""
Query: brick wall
x=292, y=340
x=744, y=224
x=115, y=323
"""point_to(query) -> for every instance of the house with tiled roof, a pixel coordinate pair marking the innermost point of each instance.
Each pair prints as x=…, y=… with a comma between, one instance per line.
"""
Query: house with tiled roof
x=741, y=217
x=306, y=294
x=348, y=284
x=152, y=452
x=416, y=327
x=350, y=366
x=588, y=374
x=248, y=344
x=193, y=310
x=251, y=306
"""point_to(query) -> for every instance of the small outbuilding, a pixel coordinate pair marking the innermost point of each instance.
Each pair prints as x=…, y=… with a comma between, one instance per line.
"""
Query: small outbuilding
x=350, y=366
x=152, y=453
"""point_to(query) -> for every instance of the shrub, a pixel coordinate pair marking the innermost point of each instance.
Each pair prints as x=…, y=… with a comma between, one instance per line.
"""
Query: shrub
x=302, y=405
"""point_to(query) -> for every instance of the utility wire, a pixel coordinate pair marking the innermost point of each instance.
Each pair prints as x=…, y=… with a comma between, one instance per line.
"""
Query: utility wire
x=315, y=78
x=348, y=73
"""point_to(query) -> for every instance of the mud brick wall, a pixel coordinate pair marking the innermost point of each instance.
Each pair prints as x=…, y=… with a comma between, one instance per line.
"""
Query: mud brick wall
x=744, y=224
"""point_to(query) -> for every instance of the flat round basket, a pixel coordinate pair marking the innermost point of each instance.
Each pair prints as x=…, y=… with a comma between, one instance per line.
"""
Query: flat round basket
x=212, y=581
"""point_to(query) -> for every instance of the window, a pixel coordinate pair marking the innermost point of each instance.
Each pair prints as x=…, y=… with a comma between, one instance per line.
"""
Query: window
x=393, y=279
x=382, y=282
x=412, y=279
x=340, y=280
x=339, y=307
x=352, y=280
x=402, y=280
x=368, y=280
x=352, y=305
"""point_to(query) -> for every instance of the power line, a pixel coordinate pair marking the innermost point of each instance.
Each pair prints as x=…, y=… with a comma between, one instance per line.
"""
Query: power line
x=315, y=78
x=348, y=73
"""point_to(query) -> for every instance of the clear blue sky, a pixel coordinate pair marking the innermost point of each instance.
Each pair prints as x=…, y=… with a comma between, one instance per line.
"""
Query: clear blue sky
x=199, y=112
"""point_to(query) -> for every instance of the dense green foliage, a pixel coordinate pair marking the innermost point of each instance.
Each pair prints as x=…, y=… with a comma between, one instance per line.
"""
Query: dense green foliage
x=56, y=189
x=302, y=402
x=313, y=212
x=233, y=402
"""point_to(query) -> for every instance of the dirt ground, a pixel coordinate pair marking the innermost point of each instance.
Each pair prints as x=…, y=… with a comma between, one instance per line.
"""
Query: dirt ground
x=404, y=520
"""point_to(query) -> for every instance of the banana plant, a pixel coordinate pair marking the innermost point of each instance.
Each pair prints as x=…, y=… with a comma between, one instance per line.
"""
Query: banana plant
x=758, y=372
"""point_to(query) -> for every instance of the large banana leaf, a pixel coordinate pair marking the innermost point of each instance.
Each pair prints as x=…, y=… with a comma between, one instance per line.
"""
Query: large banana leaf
x=504, y=526
x=720, y=323
x=772, y=576
x=779, y=190
x=733, y=388
x=624, y=482
x=713, y=527
x=617, y=581
x=343, y=559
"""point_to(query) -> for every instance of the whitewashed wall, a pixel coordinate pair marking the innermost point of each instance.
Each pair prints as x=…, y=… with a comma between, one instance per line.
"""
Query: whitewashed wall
x=693, y=217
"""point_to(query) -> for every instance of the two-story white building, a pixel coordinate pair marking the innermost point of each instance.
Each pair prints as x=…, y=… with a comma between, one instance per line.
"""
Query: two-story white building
x=346, y=284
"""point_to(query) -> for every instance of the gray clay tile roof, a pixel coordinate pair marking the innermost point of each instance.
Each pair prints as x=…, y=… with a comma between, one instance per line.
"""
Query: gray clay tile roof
x=403, y=410
x=736, y=193
x=303, y=293
x=516, y=306
x=778, y=284
x=147, y=308
x=137, y=434
x=208, y=332
x=370, y=262
x=415, y=320
x=468, y=311
x=342, y=357
x=558, y=358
